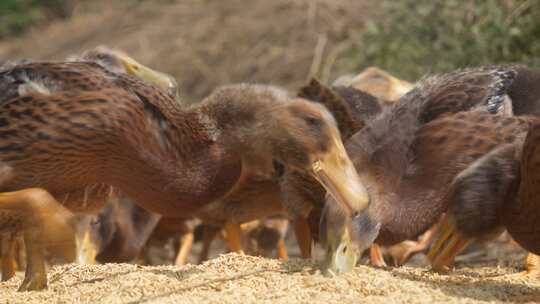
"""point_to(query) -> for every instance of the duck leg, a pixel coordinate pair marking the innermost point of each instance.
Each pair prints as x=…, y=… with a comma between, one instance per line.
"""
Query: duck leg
x=186, y=243
x=43, y=221
x=234, y=237
x=449, y=243
x=282, y=250
x=532, y=268
x=35, y=277
x=302, y=231
x=404, y=250
x=209, y=234
x=20, y=252
x=8, y=251
x=376, y=257
x=532, y=263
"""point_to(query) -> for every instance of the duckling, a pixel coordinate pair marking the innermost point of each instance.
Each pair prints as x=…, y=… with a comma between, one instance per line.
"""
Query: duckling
x=408, y=155
x=130, y=135
x=498, y=191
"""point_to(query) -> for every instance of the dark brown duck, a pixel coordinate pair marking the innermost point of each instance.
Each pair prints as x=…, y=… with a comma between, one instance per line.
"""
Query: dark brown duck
x=408, y=155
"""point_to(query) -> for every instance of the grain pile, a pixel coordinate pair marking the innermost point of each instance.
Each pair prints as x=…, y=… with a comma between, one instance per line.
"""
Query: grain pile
x=233, y=278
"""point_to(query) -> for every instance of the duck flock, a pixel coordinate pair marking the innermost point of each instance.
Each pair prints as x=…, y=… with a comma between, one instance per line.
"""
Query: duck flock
x=99, y=159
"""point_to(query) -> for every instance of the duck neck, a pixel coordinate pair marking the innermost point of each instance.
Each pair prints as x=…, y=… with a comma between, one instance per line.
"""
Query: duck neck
x=404, y=211
x=174, y=161
x=240, y=127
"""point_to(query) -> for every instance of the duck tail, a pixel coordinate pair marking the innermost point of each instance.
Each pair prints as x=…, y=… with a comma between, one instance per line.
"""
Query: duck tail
x=317, y=92
x=478, y=192
x=503, y=78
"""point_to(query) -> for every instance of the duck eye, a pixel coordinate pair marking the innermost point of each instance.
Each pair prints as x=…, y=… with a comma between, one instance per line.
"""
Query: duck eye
x=95, y=221
x=313, y=121
x=279, y=168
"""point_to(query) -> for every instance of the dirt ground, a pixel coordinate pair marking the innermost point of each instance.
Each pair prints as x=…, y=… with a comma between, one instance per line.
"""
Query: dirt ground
x=486, y=274
x=233, y=278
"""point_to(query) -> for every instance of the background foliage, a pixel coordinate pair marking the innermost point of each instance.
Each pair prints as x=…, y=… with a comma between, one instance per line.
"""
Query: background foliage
x=207, y=43
x=414, y=37
x=18, y=15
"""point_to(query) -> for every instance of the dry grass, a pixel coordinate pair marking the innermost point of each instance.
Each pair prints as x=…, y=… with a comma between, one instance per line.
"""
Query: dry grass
x=209, y=43
x=242, y=279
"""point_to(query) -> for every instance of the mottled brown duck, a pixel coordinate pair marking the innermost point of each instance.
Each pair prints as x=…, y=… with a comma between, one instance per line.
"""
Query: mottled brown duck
x=67, y=147
x=408, y=155
x=524, y=94
x=114, y=61
x=498, y=191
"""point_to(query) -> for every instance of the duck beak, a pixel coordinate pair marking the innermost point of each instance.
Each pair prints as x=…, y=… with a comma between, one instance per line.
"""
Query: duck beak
x=86, y=249
x=336, y=173
x=341, y=253
x=135, y=68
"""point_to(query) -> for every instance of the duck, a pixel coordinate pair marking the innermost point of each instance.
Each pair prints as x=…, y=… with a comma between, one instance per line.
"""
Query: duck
x=113, y=60
x=126, y=134
x=302, y=195
x=352, y=108
x=524, y=95
x=408, y=155
x=119, y=62
x=497, y=192
x=377, y=82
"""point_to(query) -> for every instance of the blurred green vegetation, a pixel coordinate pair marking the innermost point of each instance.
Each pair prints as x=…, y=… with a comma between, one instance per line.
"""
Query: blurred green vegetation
x=414, y=37
x=18, y=15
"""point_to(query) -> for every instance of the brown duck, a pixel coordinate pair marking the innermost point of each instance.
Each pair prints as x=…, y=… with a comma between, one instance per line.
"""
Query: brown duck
x=90, y=129
x=114, y=61
x=496, y=192
x=305, y=198
x=408, y=155
x=302, y=195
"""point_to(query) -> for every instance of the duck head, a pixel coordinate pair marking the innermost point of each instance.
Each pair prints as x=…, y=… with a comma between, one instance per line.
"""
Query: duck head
x=345, y=235
x=303, y=136
x=120, y=62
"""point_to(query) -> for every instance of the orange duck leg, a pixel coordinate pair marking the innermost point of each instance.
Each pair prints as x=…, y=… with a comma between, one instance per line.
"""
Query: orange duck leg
x=302, y=231
x=233, y=236
x=43, y=222
x=9, y=264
